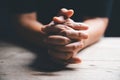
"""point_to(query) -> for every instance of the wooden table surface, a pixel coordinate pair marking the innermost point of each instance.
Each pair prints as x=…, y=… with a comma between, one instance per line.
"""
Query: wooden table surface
x=100, y=61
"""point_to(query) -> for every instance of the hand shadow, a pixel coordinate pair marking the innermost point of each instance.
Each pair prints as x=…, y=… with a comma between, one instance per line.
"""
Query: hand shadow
x=42, y=62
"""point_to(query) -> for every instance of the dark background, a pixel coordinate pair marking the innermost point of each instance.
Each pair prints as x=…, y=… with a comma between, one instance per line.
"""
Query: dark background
x=113, y=29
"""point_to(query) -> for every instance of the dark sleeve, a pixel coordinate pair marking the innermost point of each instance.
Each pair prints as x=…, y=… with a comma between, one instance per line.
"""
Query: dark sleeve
x=96, y=8
x=22, y=6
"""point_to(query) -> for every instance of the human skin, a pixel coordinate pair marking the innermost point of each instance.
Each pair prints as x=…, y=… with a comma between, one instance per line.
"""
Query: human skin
x=66, y=27
x=33, y=31
x=95, y=32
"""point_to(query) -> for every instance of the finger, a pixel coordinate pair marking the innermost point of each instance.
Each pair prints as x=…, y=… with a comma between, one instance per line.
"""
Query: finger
x=55, y=29
x=69, y=47
x=76, y=25
x=60, y=55
x=57, y=40
x=66, y=13
x=63, y=15
x=73, y=34
x=59, y=20
x=74, y=60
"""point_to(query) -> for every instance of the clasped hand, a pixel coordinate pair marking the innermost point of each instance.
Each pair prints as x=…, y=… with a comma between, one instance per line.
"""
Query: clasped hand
x=65, y=38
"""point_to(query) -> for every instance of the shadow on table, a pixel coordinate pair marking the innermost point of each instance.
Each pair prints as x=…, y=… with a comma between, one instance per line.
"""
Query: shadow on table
x=42, y=62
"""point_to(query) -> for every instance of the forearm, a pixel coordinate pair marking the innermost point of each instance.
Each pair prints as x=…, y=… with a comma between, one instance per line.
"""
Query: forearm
x=97, y=27
x=27, y=26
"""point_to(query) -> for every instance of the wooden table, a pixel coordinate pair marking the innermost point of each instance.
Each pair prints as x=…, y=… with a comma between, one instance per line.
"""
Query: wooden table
x=101, y=61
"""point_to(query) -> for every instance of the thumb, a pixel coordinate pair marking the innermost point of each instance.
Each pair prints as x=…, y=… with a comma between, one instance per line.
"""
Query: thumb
x=59, y=20
x=66, y=13
x=63, y=15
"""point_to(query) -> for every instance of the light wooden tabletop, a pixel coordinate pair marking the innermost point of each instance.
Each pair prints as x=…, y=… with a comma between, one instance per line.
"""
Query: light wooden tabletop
x=100, y=61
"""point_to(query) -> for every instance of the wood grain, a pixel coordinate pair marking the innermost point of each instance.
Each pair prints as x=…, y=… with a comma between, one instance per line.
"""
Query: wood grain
x=100, y=61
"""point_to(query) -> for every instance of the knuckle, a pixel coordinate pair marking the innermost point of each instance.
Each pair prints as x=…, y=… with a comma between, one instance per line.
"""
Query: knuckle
x=69, y=24
x=78, y=24
x=64, y=33
x=67, y=33
x=80, y=45
x=66, y=41
x=79, y=34
x=74, y=47
x=60, y=27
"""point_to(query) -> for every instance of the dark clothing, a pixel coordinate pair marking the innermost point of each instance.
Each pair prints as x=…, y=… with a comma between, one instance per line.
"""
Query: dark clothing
x=113, y=29
x=46, y=9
